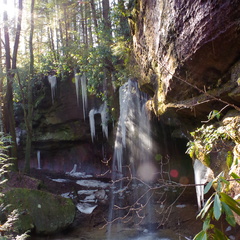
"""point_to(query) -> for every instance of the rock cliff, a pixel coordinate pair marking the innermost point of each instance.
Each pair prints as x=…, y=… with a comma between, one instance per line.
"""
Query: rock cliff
x=189, y=56
x=187, y=48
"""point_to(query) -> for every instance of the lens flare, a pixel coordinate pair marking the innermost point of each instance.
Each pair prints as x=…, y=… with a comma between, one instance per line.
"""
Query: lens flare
x=174, y=173
x=147, y=172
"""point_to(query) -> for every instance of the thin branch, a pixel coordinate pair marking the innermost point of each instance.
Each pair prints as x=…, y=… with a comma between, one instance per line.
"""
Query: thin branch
x=200, y=90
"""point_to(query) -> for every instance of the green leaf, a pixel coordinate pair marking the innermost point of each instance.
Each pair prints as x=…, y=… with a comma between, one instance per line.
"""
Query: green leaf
x=235, y=176
x=217, y=207
x=206, y=207
x=219, y=235
x=213, y=114
x=229, y=214
x=208, y=186
x=234, y=205
x=206, y=224
x=201, y=236
x=224, y=180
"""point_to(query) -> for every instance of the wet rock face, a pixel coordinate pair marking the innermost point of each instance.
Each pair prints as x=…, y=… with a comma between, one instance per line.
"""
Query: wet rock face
x=60, y=132
x=196, y=41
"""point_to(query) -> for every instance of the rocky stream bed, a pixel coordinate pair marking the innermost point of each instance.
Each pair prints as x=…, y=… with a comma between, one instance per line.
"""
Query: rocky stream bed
x=178, y=222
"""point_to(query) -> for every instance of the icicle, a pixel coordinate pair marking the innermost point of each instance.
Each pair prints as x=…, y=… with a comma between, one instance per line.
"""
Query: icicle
x=39, y=159
x=118, y=151
x=202, y=175
x=104, y=118
x=18, y=132
x=53, y=83
x=77, y=78
x=92, y=123
x=84, y=93
x=74, y=170
x=123, y=99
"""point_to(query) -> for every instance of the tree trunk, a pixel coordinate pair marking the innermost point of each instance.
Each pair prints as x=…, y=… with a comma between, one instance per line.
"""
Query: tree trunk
x=106, y=10
x=124, y=27
x=66, y=27
x=1, y=84
x=30, y=99
x=86, y=24
x=94, y=17
x=107, y=84
x=9, y=121
x=82, y=23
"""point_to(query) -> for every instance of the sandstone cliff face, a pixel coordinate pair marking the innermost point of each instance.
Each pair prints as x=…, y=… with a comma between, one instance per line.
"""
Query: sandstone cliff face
x=184, y=46
x=189, y=56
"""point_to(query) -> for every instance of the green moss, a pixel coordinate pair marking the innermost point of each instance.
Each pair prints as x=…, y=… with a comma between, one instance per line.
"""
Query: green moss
x=207, y=160
x=44, y=211
x=229, y=159
x=65, y=132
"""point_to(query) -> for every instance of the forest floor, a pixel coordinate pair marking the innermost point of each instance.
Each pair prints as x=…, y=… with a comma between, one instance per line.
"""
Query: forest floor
x=179, y=222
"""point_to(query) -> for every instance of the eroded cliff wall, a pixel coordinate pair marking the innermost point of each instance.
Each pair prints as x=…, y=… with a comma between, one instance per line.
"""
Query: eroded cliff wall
x=189, y=56
x=186, y=48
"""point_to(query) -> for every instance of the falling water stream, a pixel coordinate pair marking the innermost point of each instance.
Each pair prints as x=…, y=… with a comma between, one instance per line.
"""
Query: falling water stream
x=132, y=152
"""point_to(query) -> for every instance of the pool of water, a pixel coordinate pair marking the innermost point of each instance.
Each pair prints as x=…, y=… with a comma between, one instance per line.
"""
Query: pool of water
x=116, y=233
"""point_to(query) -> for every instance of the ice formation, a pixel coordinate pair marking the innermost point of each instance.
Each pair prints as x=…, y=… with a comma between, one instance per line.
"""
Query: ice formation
x=84, y=93
x=83, y=82
x=53, y=83
x=104, y=119
x=202, y=175
x=86, y=208
x=133, y=126
x=39, y=159
x=77, y=79
x=92, y=123
x=93, y=183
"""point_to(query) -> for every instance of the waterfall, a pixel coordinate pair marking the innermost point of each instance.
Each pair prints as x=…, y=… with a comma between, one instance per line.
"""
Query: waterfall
x=145, y=169
x=104, y=120
x=53, y=83
x=132, y=147
x=84, y=93
x=129, y=134
x=39, y=159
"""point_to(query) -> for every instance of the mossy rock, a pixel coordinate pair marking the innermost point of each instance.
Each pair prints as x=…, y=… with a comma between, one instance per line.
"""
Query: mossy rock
x=44, y=212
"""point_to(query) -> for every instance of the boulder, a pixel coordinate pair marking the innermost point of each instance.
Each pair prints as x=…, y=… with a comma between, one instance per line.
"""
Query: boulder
x=43, y=212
